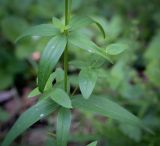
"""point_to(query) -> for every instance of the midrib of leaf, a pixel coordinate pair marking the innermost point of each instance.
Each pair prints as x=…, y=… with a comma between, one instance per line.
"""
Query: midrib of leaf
x=51, y=53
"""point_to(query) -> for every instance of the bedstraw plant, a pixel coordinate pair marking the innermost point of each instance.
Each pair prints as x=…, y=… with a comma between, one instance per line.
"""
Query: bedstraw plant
x=57, y=97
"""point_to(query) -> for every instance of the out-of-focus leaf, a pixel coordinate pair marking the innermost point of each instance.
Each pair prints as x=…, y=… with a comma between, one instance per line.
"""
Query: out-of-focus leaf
x=28, y=118
x=153, y=48
x=40, y=30
x=153, y=72
x=114, y=27
x=49, y=59
x=115, y=49
x=131, y=131
x=93, y=143
x=6, y=80
x=87, y=81
x=103, y=106
x=12, y=27
x=78, y=63
x=57, y=23
x=61, y=97
x=78, y=22
x=63, y=126
x=59, y=75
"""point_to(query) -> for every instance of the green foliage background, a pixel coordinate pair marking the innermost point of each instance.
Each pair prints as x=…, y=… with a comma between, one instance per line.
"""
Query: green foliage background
x=133, y=81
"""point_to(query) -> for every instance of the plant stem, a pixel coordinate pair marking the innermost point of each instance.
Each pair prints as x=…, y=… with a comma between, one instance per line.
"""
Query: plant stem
x=70, y=9
x=66, y=48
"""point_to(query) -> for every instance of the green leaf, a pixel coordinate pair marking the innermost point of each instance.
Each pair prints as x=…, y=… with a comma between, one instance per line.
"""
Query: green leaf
x=12, y=27
x=87, y=81
x=93, y=143
x=78, y=63
x=50, y=81
x=153, y=48
x=78, y=22
x=28, y=118
x=105, y=107
x=99, y=26
x=59, y=75
x=57, y=23
x=115, y=27
x=63, y=127
x=131, y=131
x=115, y=49
x=49, y=59
x=153, y=72
x=34, y=92
x=40, y=30
x=61, y=97
x=81, y=41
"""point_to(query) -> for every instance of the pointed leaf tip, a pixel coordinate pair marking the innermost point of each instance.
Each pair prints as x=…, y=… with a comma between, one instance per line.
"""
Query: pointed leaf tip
x=93, y=143
x=61, y=97
x=87, y=81
x=115, y=49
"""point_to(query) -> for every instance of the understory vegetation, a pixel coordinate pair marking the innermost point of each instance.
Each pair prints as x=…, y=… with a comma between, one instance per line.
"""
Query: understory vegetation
x=79, y=73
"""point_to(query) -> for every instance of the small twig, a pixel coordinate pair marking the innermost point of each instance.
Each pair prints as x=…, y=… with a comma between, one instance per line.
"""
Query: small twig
x=52, y=134
x=74, y=91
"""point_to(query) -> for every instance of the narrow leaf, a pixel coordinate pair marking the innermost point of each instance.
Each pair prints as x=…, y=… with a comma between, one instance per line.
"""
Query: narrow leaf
x=61, y=97
x=63, y=127
x=28, y=118
x=78, y=22
x=93, y=143
x=40, y=30
x=34, y=92
x=115, y=49
x=49, y=59
x=87, y=81
x=103, y=106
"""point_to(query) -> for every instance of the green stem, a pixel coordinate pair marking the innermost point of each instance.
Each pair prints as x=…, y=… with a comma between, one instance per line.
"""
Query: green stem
x=70, y=9
x=66, y=49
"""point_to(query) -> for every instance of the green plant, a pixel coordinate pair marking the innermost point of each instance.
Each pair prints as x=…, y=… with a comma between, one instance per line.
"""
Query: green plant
x=57, y=97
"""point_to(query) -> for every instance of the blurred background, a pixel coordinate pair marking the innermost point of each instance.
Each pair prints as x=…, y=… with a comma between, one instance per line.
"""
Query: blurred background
x=133, y=80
